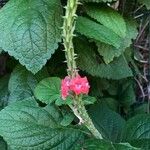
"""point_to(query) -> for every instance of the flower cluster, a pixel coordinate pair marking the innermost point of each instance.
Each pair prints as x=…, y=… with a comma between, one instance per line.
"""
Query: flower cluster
x=77, y=85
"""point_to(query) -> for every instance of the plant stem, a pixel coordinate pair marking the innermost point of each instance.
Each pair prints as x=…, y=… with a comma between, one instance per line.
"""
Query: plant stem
x=68, y=33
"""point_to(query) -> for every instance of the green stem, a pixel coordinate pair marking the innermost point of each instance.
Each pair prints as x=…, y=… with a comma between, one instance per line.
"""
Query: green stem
x=68, y=33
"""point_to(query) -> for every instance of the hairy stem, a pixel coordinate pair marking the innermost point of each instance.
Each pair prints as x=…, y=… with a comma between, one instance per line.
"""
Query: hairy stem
x=68, y=33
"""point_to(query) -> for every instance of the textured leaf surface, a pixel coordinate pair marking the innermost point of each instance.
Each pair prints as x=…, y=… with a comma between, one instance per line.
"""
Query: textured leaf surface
x=109, y=52
x=98, y=32
x=26, y=126
x=88, y=61
x=30, y=31
x=109, y=18
x=48, y=90
x=22, y=83
x=104, y=145
x=109, y=123
x=137, y=127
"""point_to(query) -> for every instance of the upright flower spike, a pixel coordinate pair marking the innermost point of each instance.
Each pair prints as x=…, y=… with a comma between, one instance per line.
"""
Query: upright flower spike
x=75, y=84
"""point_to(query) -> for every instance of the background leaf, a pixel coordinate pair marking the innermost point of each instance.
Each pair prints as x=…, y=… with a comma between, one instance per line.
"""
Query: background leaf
x=88, y=61
x=96, y=31
x=109, y=123
x=109, y=17
x=109, y=52
x=22, y=83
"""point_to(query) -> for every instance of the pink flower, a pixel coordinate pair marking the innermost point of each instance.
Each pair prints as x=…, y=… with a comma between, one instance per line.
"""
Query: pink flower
x=79, y=85
x=65, y=87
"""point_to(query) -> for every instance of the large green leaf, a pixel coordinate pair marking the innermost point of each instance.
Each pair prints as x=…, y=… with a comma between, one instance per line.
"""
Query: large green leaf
x=26, y=126
x=109, y=123
x=109, y=52
x=104, y=145
x=4, y=91
x=109, y=17
x=90, y=62
x=137, y=127
x=145, y=2
x=30, y=30
x=22, y=83
x=97, y=32
x=48, y=90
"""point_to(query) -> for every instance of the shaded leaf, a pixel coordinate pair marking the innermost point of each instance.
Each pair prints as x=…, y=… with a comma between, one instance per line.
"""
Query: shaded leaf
x=88, y=61
x=22, y=83
x=109, y=123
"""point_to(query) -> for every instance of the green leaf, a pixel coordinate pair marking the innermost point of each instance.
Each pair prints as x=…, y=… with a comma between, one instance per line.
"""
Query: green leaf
x=108, y=123
x=48, y=90
x=31, y=31
x=68, y=117
x=126, y=93
x=109, y=17
x=26, y=126
x=4, y=91
x=137, y=127
x=145, y=2
x=98, y=32
x=89, y=61
x=109, y=52
x=105, y=145
x=88, y=100
x=22, y=83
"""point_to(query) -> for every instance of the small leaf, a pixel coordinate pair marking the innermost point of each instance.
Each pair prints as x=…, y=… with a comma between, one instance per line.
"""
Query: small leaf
x=109, y=18
x=48, y=90
x=26, y=126
x=109, y=52
x=88, y=100
x=31, y=31
x=98, y=32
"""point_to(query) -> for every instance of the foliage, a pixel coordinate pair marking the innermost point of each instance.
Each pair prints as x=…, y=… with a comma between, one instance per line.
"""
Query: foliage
x=33, y=116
